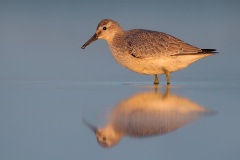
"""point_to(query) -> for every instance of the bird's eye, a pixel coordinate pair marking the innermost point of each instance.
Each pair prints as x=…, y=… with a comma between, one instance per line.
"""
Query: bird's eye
x=104, y=28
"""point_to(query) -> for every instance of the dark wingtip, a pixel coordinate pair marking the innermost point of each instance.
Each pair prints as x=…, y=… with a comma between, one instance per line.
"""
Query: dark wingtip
x=209, y=50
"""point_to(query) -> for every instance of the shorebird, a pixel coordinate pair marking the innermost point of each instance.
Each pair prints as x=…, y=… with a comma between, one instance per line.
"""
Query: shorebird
x=147, y=52
x=147, y=114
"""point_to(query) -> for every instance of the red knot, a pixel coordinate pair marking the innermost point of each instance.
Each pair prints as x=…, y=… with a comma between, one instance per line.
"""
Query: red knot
x=148, y=52
x=146, y=114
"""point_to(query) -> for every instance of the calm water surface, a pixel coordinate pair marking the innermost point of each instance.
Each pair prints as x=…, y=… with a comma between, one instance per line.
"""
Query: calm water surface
x=54, y=118
x=58, y=120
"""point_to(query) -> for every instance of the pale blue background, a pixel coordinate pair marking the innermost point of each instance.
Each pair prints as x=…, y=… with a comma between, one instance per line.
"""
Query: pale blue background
x=42, y=39
x=48, y=83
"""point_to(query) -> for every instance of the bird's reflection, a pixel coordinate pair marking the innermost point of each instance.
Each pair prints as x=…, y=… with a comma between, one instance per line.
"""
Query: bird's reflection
x=147, y=114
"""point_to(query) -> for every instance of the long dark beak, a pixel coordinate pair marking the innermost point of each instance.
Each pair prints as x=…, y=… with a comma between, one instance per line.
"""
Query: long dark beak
x=92, y=39
x=89, y=125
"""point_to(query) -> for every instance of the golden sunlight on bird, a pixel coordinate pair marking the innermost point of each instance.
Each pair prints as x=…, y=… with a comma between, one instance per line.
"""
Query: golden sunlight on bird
x=147, y=114
x=147, y=52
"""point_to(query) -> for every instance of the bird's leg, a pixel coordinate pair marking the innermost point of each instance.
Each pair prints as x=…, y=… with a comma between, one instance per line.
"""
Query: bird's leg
x=167, y=76
x=156, y=88
x=167, y=92
x=167, y=73
x=156, y=79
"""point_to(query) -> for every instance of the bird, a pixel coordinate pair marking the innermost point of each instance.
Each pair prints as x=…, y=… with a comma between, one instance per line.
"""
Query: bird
x=147, y=52
x=146, y=114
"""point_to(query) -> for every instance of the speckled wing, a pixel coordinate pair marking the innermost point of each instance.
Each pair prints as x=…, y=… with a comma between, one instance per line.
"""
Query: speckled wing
x=151, y=44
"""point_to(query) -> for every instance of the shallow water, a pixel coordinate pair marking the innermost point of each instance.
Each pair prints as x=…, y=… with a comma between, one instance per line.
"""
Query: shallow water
x=49, y=109
x=45, y=120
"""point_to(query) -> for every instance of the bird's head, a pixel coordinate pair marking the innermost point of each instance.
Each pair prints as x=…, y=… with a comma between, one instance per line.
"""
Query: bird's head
x=108, y=137
x=106, y=30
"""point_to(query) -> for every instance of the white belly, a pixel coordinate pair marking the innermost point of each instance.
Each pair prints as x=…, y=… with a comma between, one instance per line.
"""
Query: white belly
x=156, y=65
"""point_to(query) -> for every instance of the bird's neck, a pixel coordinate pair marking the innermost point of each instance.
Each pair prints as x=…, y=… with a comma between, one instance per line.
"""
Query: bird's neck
x=116, y=37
